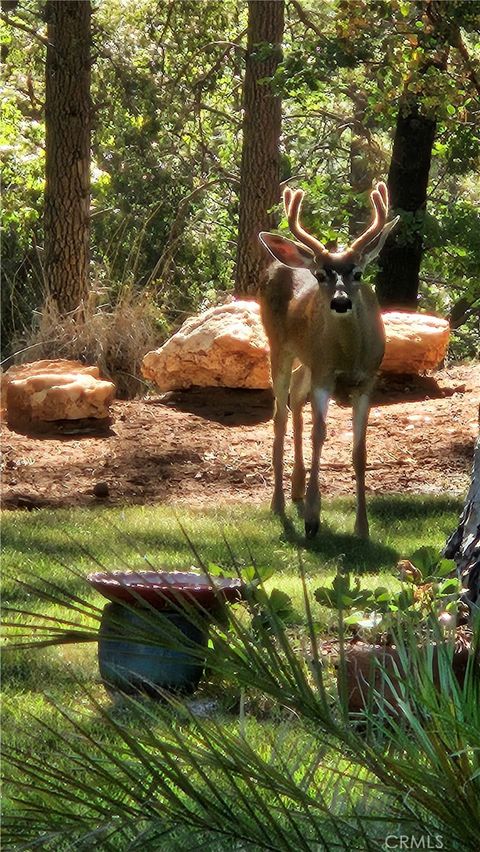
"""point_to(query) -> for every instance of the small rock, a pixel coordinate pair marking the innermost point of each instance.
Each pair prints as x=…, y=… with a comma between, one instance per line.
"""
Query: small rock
x=101, y=489
x=203, y=708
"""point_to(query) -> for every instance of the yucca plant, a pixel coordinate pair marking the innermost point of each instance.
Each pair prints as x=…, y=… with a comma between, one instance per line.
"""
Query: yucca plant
x=152, y=775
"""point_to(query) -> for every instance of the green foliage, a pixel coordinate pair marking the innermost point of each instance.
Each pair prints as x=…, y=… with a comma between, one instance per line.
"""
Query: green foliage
x=291, y=770
x=430, y=591
x=166, y=87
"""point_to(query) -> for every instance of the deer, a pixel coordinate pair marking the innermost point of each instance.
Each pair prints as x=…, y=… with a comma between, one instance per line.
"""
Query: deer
x=327, y=340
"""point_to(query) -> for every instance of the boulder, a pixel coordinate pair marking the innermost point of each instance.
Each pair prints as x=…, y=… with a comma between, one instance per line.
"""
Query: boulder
x=56, y=396
x=415, y=342
x=226, y=346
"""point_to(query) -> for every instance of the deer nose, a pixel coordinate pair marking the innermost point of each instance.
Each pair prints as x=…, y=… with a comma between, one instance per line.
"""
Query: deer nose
x=341, y=303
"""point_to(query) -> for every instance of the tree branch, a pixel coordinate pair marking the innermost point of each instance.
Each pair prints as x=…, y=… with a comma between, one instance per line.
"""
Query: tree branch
x=19, y=25
x=306, y=20
x=459, y=44
x=162, y=265
x=452, y=31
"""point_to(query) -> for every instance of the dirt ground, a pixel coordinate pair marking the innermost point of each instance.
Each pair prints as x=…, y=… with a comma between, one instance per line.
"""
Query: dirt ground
x=213, y=446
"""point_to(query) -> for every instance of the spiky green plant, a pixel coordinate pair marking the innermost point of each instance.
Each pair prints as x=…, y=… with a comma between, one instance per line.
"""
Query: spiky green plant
x=154, y=776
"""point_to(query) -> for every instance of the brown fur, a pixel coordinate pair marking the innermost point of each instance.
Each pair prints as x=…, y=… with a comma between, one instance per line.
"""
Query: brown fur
x=345, y=351
x=330, y=323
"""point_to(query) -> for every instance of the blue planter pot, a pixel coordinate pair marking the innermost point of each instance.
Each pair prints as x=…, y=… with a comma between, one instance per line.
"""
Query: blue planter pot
x=129, y=664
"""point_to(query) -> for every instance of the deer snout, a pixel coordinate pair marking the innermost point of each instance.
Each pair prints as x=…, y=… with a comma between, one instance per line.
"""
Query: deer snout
x=341, y=303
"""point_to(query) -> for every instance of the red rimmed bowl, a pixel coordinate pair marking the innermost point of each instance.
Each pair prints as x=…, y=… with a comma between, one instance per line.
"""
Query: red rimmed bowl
x=162, y=589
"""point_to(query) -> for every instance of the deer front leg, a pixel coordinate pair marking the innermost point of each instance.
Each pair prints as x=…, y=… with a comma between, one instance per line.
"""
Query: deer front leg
x=281, y=373
x=361, y=410
x=320, y=400
x=299, y=388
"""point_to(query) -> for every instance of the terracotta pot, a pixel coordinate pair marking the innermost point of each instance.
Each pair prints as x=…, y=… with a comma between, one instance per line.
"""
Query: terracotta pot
x=362, y=672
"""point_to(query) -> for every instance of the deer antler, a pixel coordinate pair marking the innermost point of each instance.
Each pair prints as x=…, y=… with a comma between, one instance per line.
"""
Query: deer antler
x=293, y=203
x=379, y=199
x=292, y=200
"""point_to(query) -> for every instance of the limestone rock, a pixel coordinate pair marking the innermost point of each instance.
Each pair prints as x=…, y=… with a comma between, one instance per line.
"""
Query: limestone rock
x=42, y=394
x=415, y=342
x=224, y=346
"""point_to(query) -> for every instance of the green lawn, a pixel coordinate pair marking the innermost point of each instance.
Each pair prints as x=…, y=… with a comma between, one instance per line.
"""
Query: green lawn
x=49, y=544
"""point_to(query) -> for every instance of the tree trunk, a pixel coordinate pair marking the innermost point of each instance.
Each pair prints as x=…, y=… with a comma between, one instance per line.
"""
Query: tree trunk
x=399, y=260
x=67, y=167
x=260, y=167
x=361, y=178
x=464, y=544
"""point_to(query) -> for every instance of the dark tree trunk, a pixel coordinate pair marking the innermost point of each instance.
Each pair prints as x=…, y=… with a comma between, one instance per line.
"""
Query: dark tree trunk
x=399, y=260
x=260, y=167
x=67, y=167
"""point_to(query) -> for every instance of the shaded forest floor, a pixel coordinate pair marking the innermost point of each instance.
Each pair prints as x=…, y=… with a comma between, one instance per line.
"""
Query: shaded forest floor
x=209, y=447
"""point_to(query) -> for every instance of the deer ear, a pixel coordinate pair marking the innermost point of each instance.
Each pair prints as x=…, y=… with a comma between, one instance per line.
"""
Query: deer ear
x=374, y=247
x=291, y=254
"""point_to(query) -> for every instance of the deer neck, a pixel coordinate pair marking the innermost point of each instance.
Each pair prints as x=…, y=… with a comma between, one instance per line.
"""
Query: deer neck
x=346, y=331
x=349, y=336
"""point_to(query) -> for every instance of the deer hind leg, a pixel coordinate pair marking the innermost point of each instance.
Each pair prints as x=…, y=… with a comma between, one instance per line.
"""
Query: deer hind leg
x=320, y=399
x=299, y=390
x=281, y=373
x=361, y=410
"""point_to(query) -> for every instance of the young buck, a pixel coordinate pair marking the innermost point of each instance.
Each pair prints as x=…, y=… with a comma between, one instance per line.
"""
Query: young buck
x=316, y=311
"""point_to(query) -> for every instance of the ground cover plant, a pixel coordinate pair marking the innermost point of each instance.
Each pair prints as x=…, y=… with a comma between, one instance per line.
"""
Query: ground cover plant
x=277, y=765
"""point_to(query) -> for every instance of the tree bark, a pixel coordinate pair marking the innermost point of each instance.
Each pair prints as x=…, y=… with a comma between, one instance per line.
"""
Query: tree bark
x=67, y=166
x=464, y=544
x=260, y=166
x=399, y=261
x=361, y=178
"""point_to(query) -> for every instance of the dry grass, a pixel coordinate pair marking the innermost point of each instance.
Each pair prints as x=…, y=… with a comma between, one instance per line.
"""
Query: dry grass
x=114, y=336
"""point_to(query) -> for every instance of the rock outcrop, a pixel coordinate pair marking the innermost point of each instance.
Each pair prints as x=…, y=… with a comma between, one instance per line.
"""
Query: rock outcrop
x=56, y=395
x=226, y=346
x=416, y=343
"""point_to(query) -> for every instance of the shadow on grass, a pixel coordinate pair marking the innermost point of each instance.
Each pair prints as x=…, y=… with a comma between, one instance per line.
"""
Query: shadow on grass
x=36, y=670
x=398, y=507
x=357, y=555
x=52, y=542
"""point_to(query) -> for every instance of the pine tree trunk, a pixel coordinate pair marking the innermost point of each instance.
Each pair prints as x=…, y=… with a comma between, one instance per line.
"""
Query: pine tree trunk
x=260, y=167
x=67, y=167
x=361, y=178
x=399, y=262
x=464, y=544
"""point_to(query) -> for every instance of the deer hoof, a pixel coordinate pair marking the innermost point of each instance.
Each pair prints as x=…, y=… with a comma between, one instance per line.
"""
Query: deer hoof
x=311, y=529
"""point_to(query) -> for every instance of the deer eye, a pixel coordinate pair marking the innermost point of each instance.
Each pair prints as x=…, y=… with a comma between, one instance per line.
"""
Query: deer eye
x=321, y=276
x=357, y=275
